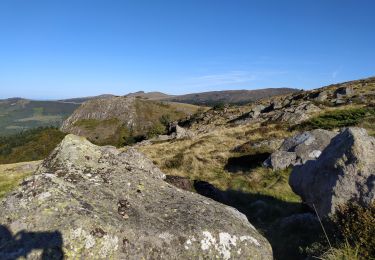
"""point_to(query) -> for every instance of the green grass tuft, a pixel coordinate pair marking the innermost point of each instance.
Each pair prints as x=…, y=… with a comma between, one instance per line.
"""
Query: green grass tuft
x=338, y=118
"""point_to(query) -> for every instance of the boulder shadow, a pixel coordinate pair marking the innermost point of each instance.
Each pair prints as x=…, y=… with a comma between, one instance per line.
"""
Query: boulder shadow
x=245, y=163
x=271, y=217
x=21, y=244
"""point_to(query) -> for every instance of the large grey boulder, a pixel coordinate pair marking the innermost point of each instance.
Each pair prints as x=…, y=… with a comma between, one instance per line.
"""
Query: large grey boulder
x=300, y=148
x=90, y=202
x=345, y=171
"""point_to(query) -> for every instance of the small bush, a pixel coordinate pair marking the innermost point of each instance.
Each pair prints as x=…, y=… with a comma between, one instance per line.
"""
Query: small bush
x=219, y=106
x=175, y=162
x=165, y=120
x=345, y=252
x=155, y=130
x=356, y=224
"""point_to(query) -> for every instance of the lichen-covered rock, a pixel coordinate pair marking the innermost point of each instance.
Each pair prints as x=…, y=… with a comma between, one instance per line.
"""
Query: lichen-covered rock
x=90, y=202
x=345, y=171
x=300, y=148
x=297, y=114
x=280, y=160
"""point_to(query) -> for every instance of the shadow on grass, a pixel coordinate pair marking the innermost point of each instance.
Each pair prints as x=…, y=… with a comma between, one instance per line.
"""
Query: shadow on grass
x=245, y=163
x=289, y=226
x=21, y=244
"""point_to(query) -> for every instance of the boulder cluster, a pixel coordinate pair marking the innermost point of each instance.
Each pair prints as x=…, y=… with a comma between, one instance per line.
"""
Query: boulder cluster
x=329, y=169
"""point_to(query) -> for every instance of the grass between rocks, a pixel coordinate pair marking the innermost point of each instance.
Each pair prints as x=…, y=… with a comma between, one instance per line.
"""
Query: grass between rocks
x=11, y=175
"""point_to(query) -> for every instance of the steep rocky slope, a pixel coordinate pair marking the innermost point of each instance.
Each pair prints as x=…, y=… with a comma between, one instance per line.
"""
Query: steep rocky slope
x=90, y=202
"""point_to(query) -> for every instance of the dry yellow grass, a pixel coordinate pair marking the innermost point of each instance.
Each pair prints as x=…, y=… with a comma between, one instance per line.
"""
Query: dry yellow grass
x=205, y=156
x=11, y=175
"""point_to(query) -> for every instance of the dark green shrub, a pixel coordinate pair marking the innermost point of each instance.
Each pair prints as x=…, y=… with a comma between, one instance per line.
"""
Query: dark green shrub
x=156, y=129
x=337, y=119
x=165, y=120
x=175, y=162
x=219, y=106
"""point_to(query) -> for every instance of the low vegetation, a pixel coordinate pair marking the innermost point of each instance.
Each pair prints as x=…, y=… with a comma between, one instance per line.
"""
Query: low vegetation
x=29, y=145
x=12, y=174
x=356, y=225
x=341, y=118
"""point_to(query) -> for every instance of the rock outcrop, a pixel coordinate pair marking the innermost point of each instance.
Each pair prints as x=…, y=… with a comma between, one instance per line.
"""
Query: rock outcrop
x=345, y=171
x=299, y=149
x=122, y=120
x=91, y=202
x=178, y=132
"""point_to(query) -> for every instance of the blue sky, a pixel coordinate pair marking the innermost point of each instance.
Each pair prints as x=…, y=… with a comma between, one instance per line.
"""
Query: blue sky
x=68, y=48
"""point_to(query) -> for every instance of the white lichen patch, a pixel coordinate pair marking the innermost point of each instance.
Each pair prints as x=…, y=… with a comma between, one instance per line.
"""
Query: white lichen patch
x=315, y=154
x=250, y=239
x=226, y=242
x=208, y=241
x=223, y=245
x=109, y=245
x=167, y=237
x=45, y=195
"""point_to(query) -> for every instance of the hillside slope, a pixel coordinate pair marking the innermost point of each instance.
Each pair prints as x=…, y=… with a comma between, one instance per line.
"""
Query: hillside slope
x=120, y=120
x=18, y=114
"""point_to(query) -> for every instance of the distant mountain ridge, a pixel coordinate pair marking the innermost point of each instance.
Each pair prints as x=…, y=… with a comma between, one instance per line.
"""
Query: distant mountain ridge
x=81, y=100
x=150, y=95
x=237, y=97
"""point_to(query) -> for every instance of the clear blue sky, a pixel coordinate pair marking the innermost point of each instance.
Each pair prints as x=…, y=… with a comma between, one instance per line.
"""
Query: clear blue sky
x=68, y=48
